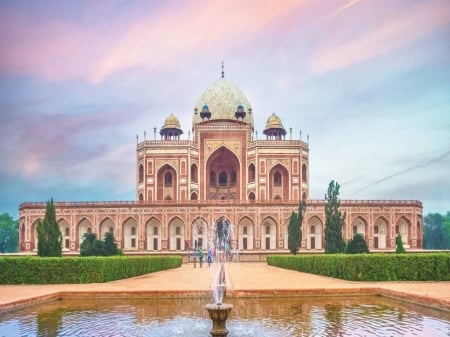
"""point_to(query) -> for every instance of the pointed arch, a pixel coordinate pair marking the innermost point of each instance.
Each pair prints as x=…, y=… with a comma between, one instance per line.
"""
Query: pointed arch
x=34, y=236
x=223, y=168
x=167, y=181
x=314, y=233
x=130, y=233
x=83, y=226
x=304, y=173
x=141, y=174
x=194, y=173
x=246, y=228
x=269, y=233
x=199, y=230
x=359, y=225
x=153, y=234
x=251, y=196
x=251, y=173
x=403, y=226
x=279, y=182
x=22, y=237
x=64, y=228
x=176, y=233
x=380, y=232
x=107, y=225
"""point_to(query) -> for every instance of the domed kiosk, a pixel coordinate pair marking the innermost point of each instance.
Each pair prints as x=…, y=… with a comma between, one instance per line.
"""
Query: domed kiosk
x=171, y=129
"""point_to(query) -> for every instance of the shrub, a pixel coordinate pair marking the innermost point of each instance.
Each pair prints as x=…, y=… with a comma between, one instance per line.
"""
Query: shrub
x=357, y=245
x=370, y=267
x=53, y=270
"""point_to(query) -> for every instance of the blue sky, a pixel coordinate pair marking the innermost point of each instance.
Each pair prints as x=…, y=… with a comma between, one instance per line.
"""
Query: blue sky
x=369, y=81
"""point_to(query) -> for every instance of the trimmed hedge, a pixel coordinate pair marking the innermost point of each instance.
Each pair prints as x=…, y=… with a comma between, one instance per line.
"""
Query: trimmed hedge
x=370, y=267
x=92, y=269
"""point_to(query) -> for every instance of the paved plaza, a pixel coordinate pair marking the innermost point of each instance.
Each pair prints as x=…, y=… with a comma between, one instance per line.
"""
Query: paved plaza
x=243, y=279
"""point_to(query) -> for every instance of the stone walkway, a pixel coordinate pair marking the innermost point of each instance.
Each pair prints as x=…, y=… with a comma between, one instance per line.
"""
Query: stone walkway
x=243, y=279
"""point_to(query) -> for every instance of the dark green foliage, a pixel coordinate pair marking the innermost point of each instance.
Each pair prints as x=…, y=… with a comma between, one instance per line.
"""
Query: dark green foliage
x=92, y=269
x=293, y=234
x=111, y=245
x=87, y=246
x=333, y=221
x=49, y=235
x=370, y=267
x=9, y=234
x=436, y=231
x=357, y=245
x=301, y=215
x=399, y=249
x=91, y=246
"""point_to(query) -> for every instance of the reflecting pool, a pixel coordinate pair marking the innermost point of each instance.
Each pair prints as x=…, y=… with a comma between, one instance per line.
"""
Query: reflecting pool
x=281, y=316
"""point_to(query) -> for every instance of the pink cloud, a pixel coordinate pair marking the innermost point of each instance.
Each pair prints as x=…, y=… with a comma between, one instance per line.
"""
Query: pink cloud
x=194, y=29
x=412, y=24
x=59, y=50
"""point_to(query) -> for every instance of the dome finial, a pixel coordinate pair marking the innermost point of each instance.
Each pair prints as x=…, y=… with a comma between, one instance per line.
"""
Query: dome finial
x=223, y=72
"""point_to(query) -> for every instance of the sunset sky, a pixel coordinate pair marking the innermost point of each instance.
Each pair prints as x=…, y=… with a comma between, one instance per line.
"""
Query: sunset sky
x=369, y=81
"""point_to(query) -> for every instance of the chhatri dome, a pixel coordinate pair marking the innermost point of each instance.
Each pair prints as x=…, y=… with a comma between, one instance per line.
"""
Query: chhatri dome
x=274, y=128
x=171, y=128
x=223, y=100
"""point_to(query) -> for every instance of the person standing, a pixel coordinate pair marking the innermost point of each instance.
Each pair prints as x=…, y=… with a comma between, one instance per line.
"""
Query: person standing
x=200, y=256
x=209, y=256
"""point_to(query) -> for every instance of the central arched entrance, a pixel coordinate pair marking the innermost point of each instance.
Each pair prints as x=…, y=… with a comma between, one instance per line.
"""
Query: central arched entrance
x=223, y=175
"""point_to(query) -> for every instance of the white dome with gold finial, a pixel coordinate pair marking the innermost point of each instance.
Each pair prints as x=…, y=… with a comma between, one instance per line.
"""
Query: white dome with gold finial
x=223, y=99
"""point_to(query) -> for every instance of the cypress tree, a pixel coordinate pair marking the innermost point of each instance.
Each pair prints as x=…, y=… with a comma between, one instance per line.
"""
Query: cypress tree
x=301, y=214
x=49, y=234
x=399, y=249
x=293, y=234
x=333, y=221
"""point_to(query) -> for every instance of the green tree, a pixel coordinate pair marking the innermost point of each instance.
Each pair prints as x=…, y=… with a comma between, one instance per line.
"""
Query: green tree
x=301, y=215
x=399, y=249
x=333, y=221
x=49, y=234
x=111, y=245
x=91, y=246
x=436, y=231
x=293, y=234
x=9, y=234
x=87, y=246
x=357, y=245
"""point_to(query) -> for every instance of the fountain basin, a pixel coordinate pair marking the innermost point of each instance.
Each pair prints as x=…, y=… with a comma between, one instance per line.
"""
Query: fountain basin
x=219, y=313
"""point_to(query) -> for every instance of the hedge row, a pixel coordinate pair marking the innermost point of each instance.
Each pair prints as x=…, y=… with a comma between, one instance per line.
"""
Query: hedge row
x=370, y=267
x=92, y=269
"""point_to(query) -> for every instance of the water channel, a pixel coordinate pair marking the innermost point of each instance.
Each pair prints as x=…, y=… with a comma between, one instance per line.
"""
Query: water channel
x=280, y=316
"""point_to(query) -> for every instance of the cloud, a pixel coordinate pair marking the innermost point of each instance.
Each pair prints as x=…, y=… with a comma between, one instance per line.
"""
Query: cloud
x=60, y=49
x=34, y=144
x=412, y=24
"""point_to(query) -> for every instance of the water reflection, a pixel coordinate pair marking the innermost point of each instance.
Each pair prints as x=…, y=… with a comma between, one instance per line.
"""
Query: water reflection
x=316, y=316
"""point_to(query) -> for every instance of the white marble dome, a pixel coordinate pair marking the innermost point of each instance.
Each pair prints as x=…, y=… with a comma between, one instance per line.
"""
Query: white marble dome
x=223, y=98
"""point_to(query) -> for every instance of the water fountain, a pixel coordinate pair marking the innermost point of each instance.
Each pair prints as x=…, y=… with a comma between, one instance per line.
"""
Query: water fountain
x=219, y=311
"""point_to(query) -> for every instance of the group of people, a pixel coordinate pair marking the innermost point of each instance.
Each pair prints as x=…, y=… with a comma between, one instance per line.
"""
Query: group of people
x=201, y=255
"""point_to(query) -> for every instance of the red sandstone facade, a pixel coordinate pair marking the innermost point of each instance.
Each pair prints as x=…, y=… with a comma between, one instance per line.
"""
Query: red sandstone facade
x=222, y=179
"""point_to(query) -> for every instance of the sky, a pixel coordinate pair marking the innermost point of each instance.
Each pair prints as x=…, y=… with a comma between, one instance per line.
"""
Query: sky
x=367, y=80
